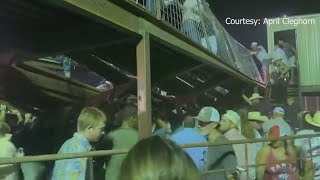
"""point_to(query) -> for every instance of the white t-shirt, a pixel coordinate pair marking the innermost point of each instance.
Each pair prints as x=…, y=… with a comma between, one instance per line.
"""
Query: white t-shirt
x=262, y=54
x=280, y=53
x=7, y=150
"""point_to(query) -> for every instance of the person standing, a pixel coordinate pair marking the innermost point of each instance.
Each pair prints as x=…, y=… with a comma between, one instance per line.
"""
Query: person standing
x=264, y=58
x=90, y=128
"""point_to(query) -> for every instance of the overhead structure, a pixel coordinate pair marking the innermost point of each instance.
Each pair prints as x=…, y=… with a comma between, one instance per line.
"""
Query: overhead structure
x=149, y=44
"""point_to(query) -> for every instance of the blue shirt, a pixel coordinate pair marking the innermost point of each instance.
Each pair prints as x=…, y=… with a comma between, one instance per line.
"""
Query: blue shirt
x=72, y=169
x=191, y=135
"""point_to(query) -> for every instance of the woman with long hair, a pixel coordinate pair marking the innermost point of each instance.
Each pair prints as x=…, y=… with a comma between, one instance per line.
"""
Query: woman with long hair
x=156, y=158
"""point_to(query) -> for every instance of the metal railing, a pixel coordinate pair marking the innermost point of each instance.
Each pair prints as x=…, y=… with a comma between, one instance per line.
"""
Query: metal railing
x=195, y=19
x=52, y=157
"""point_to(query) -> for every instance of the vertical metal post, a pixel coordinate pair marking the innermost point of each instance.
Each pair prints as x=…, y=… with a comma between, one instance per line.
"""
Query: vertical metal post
x=310, y=147
x=246, y=154
x=144, y=86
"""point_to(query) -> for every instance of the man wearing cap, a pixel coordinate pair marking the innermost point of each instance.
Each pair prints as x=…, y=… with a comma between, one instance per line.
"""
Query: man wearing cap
x=230, y=126
x=187, y=134
x=207, y=119
x=277, y=119
x=219, y=157
x=263, y=57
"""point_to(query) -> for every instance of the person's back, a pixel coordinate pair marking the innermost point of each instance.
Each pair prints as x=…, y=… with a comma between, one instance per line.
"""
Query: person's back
x=221, y=157
x=123, y=138
x=191, y=135
x=243, y=157
x=62, y=168
x=282, y=123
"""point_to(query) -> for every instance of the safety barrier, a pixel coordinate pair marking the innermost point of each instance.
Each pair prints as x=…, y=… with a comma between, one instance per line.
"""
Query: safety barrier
x=195, y=19
x=52, y=157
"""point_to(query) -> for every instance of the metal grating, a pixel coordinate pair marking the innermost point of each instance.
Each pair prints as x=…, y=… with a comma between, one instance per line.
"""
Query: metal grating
x=195, y=19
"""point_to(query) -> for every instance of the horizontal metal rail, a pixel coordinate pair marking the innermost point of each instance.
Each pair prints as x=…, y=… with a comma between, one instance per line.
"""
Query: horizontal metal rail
x=52, y=157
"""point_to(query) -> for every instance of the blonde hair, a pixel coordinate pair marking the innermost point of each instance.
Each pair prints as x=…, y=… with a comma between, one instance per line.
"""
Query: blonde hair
x=158, y=159
x=4, y=128
x=90, y=116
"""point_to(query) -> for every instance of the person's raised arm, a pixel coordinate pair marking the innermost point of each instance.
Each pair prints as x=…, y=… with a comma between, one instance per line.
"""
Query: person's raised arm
x=245, y=98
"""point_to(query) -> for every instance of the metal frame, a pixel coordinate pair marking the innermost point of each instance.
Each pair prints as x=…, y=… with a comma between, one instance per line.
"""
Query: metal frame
x=114, y=16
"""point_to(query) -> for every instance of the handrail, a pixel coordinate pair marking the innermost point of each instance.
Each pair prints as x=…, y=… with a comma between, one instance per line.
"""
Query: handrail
x=51, y=157
x=208, y=32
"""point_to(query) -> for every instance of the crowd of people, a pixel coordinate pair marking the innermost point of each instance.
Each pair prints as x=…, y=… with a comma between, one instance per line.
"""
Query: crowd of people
x=160, y=157
x=278, y=68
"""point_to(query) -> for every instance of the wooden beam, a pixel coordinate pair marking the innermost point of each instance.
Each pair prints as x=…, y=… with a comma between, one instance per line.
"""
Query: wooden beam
x=144, y=86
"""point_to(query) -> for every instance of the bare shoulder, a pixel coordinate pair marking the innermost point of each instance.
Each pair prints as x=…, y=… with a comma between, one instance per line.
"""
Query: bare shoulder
x=264, y=150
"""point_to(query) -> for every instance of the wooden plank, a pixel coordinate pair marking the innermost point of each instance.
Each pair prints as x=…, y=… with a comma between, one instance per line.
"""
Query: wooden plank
x=105, y=10
x=144, y=87
x=56, y=84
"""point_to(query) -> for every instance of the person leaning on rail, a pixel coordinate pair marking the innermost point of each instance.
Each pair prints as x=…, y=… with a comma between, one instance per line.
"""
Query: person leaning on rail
x=156, y=158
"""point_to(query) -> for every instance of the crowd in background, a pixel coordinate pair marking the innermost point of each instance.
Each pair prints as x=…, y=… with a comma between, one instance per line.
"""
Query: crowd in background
x=278, y=68
x=160, y=157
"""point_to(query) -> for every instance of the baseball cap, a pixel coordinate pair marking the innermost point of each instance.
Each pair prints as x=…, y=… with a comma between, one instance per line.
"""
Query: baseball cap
x=234, y=117
x=276, y=132
x=208, y=114
x=279, y=110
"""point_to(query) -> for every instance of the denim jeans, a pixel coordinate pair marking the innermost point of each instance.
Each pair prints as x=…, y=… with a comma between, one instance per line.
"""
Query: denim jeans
x=190, y=28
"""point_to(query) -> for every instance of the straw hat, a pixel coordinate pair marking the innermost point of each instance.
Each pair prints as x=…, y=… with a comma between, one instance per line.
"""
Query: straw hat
x=315, y=121
x=255, y=96
x=256, y=116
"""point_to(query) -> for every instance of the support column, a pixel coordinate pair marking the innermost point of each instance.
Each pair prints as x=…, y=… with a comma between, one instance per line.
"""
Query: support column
x=144, y=86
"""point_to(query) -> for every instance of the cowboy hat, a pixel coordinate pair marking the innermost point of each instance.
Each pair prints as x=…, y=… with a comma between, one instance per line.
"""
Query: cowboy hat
x=315, y=120
x=274, y=60
x=255, y=96
x=256, y=116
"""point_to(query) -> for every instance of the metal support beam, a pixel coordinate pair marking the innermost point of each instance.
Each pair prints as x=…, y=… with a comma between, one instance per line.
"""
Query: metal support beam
x=144, y=86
